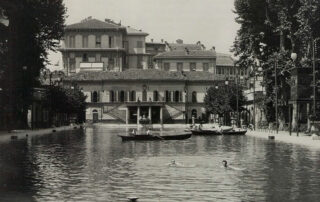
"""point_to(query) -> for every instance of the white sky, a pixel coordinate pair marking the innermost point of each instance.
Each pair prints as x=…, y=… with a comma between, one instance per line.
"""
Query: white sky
x=209, y=21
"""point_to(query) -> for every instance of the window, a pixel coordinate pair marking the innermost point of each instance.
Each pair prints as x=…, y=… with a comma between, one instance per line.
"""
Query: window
x=192, y=66
x=139, y=62
x=98, y=57
x=139, y=44
x=133, y=96
x=242, y=72
x=110, y=42
x=72, y=63
x=71, y=42
x=168, y=96
x=98, y=41
x=218, y=70
x=122, y=96
x=150, y=62
x=179, y=66
x=144, y=95
x=194, y=113
x=176, y=96
x=111, y=64
x=205, y=67
x=84, y=57
x=94, y=96
x=85, y=41
x=166, y=66
x=194, y=97
x=112, y=96
x=155, y=96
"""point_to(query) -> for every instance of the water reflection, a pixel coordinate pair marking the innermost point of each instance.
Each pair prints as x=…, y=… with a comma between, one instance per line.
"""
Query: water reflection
x=95, y=165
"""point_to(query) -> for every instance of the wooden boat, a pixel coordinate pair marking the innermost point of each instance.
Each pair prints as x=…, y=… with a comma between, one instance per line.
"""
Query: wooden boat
x=218, y=132
x=205, y=132
x=181, y=136
x=234, y=132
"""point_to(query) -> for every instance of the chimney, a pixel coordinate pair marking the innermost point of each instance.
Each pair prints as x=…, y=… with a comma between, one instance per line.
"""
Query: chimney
x=179, y=41
x=187, y=50
x=161, y=40
x=151, y=40
x=213, y=48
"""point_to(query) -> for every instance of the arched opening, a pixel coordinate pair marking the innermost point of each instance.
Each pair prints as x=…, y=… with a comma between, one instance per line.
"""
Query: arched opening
x=194, y=96
x=121, y=96
x=168, y=96
x=112, y=96
x=155, y=96
x=94, y=96
x=133, y=96
x=194, y=113
x=95, y=116
x=176, y=96
x=144, y=95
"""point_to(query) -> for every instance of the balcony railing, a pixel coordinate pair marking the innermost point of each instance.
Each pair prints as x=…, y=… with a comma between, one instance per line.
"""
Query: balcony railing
x=91, y=66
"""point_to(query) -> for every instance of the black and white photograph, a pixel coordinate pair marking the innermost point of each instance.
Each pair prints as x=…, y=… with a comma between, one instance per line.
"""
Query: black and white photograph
x=160, y=100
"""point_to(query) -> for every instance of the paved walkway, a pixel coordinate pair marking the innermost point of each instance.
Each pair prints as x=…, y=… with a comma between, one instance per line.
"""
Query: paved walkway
x=21, y=134
x=283, y=136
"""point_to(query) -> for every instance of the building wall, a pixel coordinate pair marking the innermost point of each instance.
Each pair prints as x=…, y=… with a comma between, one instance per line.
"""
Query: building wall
x=133, y=42
x=173, y=111
x=186, y=64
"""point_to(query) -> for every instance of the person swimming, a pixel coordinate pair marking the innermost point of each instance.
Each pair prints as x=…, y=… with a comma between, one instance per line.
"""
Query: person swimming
x=173, y=163
x=225, y=163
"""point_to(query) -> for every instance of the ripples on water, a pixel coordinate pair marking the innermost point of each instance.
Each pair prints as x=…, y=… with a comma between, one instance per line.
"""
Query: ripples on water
x=96, y=166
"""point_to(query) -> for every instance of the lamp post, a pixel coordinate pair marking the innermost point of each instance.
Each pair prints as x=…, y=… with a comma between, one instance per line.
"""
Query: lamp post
x=276, y=91
x=293, y=57
x=314, y=44
x=226, y=82
x=237, y=97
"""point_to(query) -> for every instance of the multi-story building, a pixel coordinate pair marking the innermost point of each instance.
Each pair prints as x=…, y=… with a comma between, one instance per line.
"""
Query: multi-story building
x=126, y=78
x=94, y=45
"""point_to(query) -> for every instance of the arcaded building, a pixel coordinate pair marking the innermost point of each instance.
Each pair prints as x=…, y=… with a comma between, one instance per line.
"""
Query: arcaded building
x=126, y=78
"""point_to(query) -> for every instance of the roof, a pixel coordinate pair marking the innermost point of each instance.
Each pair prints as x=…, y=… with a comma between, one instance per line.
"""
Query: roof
x=224, y=60
x=141, y=75
x=182, y=46
x=92, y=23
x=189, y=54
x=132, y=31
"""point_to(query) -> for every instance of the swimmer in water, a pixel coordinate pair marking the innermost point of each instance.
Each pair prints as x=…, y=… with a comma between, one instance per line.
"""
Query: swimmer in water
x=173, y=163
x=225, y=163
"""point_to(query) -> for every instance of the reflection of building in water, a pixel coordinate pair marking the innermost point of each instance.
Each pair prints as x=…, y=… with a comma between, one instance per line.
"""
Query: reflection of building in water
x=124, y=77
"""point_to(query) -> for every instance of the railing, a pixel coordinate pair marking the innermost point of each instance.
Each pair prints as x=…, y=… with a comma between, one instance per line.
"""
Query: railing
x=91, y=66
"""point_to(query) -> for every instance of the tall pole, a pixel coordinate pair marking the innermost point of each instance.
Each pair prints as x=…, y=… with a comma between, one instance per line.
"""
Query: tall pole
x=254, y=100
x=237, y=85
x=276, y=92
x=314, y=78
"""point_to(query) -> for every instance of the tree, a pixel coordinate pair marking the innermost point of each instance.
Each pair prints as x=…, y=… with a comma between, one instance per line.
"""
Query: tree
x=65, y=101
x=34, y=28
x=270, y=31
x=223, y=99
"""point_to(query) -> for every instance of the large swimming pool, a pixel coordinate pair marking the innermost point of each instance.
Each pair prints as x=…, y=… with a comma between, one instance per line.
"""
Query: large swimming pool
x=95, y=165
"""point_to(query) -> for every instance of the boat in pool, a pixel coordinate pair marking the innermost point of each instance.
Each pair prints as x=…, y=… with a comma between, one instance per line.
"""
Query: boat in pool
x=205, y=132
x=216, y=131
x=145, y=137
x=234, y=132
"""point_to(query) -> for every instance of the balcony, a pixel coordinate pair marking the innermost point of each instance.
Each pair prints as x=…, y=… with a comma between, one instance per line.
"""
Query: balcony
x=91, y=66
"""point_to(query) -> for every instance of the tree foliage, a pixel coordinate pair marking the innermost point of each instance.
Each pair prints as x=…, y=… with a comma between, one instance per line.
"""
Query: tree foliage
x=64, y=100
x=34, y=27
x=270, y=31
x=223, y=99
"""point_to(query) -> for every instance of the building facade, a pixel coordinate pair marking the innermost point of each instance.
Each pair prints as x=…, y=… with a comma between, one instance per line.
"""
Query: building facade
x=126, y=78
